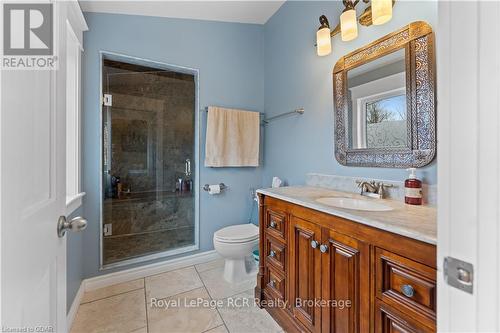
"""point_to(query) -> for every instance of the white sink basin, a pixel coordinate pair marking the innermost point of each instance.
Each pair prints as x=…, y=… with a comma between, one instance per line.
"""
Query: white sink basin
x=355, y=204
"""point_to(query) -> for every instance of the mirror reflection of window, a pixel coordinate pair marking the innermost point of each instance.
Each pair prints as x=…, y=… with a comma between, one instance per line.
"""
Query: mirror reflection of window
x=377, y=106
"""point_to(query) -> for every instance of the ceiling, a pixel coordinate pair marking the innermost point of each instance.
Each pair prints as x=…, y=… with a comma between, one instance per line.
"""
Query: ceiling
x=257, y=11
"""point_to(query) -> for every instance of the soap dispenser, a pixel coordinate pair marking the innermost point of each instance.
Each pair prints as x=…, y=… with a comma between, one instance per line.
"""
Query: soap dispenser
x=413, y=188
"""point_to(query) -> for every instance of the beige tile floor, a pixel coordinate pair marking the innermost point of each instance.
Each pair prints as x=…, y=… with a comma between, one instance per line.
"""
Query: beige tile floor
x=167, y=303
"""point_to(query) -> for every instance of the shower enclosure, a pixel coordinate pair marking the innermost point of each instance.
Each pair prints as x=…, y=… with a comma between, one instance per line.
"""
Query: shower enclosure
x=149, y=184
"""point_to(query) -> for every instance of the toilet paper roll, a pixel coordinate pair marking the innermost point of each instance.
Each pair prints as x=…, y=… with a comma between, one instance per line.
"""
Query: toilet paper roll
x=214, y=189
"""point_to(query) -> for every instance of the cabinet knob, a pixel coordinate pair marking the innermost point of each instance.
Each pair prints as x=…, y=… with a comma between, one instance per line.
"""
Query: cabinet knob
x=272, y=224
x=272, y=254
x=323, y=248
x=407, y=290
x=314, y=244
x=272, y=283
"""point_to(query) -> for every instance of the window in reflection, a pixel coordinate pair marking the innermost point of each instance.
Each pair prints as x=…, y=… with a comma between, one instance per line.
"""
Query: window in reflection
x=377, y=103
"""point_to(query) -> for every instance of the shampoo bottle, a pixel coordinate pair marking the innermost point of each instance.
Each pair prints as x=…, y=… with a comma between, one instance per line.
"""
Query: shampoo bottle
x=413, y=189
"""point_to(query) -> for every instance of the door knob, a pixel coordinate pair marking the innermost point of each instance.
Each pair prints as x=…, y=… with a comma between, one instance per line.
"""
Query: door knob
x=75, y=224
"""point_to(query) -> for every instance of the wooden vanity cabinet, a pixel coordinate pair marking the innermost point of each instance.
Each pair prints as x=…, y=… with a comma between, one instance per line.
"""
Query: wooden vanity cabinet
x=305, y=281
x=328, y=274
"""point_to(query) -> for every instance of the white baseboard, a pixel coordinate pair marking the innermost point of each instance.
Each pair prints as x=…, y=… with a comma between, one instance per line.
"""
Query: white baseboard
x=147, y=270
x=70, y=317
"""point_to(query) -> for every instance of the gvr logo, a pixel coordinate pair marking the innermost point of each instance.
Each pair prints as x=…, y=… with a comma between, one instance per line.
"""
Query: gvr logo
x=27, y=29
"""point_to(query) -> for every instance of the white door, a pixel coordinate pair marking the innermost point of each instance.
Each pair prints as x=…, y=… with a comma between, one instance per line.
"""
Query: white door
x=33, y=192
x=468, y=50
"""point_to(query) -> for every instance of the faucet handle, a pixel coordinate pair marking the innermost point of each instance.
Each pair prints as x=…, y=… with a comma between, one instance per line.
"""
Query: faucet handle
x=381, y=187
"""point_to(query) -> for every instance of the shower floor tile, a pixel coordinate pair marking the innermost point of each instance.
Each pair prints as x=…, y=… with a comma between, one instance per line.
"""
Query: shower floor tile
x=120, y=248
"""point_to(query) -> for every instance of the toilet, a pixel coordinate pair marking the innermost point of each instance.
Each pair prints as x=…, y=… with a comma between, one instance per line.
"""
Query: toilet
x=235, y=244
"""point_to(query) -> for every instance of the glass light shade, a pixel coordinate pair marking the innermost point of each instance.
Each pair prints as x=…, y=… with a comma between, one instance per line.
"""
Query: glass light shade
x=381, y=11
x=323, y=42
x=348, y=25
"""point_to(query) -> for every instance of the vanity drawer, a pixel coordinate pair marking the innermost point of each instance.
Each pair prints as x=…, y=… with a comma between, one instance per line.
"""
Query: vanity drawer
x=406, y=284
x=276, y=224
x=389, y=320
x=275, y=253
x=275, y=283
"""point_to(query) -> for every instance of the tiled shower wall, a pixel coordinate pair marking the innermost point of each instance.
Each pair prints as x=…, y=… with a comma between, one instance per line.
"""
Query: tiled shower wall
x=153, y=128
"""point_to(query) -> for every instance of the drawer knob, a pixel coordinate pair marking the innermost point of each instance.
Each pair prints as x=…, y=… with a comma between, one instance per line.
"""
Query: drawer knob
x=314, y=244
x=323, y=248
x=272, y=254
x=272, y=224
x=407, y=290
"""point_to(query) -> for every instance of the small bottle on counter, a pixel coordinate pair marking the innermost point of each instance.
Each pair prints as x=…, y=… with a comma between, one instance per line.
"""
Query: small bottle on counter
x=413, y=189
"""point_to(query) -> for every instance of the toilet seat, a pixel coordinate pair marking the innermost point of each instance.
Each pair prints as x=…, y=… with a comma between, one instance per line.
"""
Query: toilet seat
x=240, y=233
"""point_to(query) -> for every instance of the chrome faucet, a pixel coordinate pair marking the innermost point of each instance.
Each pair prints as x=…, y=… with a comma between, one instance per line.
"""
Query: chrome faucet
x=372, y=188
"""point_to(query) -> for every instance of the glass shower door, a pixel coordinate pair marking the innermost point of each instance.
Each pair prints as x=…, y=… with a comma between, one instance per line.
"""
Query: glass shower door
x=148, y=154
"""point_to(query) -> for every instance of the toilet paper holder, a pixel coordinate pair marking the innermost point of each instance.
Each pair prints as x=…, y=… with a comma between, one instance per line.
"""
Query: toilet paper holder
x=222, y=187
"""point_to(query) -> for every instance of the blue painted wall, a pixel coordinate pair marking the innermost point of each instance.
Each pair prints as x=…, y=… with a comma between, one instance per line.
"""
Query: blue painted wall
x=295, y=76
x=231, y=73
x=74, y=261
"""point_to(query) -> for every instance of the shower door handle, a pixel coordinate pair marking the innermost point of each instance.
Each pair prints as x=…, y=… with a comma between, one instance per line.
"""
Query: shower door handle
x=75, y=224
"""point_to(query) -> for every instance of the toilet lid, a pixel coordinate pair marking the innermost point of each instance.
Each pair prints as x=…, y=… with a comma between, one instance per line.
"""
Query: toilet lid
x=237, y=233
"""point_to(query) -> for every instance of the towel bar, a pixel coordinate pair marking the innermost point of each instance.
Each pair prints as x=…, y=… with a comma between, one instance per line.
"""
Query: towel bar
x=266, y=121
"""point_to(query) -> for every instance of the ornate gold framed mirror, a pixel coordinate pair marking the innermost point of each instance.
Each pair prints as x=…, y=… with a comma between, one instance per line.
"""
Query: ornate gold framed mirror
x=384, y=99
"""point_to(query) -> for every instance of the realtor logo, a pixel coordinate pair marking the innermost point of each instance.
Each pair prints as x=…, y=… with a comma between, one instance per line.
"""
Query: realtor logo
x=28, y=29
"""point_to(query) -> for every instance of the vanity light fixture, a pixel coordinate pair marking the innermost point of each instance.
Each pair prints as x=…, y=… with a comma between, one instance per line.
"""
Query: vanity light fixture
x=323, y=39
x=348, y=23
x=379, y=12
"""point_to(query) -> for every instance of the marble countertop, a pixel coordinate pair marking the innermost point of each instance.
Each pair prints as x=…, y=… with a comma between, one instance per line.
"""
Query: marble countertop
x=417, y=222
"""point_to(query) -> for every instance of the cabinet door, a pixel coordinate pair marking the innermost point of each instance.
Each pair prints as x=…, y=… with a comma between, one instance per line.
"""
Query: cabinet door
x=304, y=273
x=345, y=278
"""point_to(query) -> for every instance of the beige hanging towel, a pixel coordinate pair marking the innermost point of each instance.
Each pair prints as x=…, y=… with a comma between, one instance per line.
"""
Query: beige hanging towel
x=232, y=138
